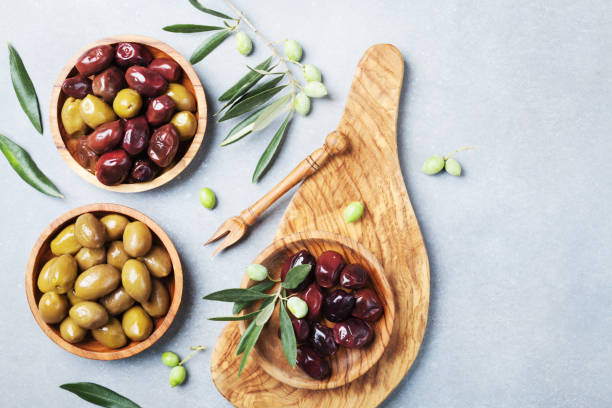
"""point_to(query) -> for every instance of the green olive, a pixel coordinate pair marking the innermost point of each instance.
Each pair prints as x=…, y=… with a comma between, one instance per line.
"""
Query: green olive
x=111, y=334
x=114, y=224
x=127, y=103
x=116, y=255
x=62, y=274
x=182, y=97
x=186, y=124
x=65, y=242
x=72, y=332
x=95, y=111
x=89, y=231
x=118, y=301
x=137, y=239
x=73, y=299
x=97, y=281
x=158, y=262
x=136, y=280
x=52, y=307
x=137, y=324
x=433, y=165
x=353, y=212
x=159, y=301
x=44, y=277
x=89, y=315
x=88, y=257
x=177, y=375
x=71, y=117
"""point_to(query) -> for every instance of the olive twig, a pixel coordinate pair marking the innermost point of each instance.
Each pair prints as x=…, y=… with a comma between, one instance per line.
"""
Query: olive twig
x=193, y=353
x=458, y=150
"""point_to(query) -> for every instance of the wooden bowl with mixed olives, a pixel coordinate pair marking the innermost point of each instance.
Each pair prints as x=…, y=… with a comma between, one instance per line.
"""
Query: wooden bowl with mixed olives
x=104, y=281
x=128, y=113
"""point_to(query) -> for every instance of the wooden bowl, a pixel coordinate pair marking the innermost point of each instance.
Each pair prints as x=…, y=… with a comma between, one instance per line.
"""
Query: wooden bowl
x=347, y=364
x=89, y=348
x=186, y=152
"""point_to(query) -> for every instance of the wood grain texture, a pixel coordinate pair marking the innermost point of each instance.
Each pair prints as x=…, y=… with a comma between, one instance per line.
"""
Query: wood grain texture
x=90, y=348
x=186, y=152
x=369, y=172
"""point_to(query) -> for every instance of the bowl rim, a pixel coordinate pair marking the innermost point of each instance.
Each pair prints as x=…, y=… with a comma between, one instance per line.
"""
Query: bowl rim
x=137, y=347
x=389, y=315
x=178, y=167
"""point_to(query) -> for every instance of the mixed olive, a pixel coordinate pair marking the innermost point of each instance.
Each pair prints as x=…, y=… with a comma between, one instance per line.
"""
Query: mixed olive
x=104, y=278
x=126, y=113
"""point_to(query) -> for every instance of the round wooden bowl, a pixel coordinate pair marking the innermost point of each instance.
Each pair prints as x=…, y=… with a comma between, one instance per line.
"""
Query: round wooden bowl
x=347, y=364
x=186, y=151
x=90, y=348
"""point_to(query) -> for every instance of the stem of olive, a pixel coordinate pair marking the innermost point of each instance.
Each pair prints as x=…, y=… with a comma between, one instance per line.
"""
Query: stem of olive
x=457, y=151
x=194, y=352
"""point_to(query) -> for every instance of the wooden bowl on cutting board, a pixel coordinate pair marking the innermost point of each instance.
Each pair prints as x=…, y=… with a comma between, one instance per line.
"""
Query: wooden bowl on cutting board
x=90, y=348
x=346, y=364
x=186, y=152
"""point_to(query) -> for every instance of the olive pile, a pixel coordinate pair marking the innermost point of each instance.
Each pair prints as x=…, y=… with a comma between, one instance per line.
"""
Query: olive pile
x=338, y=293
x=104, y=277
x=123, y=93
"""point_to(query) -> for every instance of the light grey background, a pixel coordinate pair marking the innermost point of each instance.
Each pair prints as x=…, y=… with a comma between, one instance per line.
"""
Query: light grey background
x=519, y=247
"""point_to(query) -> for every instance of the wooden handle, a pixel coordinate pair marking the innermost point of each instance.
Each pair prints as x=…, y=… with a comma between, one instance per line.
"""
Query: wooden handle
x=335, y=143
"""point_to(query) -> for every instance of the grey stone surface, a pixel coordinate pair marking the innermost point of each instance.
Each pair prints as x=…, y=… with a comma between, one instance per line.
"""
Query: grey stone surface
x=519, y=247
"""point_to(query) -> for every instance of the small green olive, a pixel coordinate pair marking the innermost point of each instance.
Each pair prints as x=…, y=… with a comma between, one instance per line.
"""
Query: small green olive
x=186, y=124
x=88, y=257
x=297, y=307
x=118, y=301
x=71, y=331
x=158, y=262
x=353, y=212
x=89, y=315
x=95, y=111
x=127, y=103
x=65, y=242
x=433, y=165
x=159, y=301
x=315, y=89
x=62, y=273
x=137, y=239
x=136, y=280
x=136, y=323
x=257, y=272
x=207, y=198
x=116, y=255
x=243, y=43
x=97, y=281
x=453, y=167
x=302, y=104
x=177, y=376
x=293, y=50
x=89, y=231
x=71, y=117
x=115, y=225
x=111, y=334
x=182, y=97
x=170, y=359
x=52, y=307
x=44, y=277
x=311, y=73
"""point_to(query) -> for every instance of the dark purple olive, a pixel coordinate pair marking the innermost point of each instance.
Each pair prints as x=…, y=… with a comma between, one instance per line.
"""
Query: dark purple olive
x=84, y=155
x=353, y=276
x=77, y=86
x=160, y=110
x=129, y=54
x=314, y=299
x=301, y=329
x=338, y=306
x=367, y=305
x=136, y=136
x=143, y=170
x=313, y=364
x=322, y=339
x=95, y=60
x=167, y=68
x=353, y=333
x=163, y=145
x=302, y=257
x=113, y=167
x=108, y=83
x=329, y=266
x=105, y=137
x=145, y=81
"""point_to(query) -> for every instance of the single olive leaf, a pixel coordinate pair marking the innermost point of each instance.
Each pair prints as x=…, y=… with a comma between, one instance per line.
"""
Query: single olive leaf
x=243, y=340
x=242, y=129
x=271, y=112
x=208, y=46
x=24, y=89
x=99, y=395
x=260, y=287
x=287, y=335
x=269, y=154
x=296, y=275
x=190, y=28
x=265, y=71
x=245, y=82
x=236, y=295
x=25, y=167
x=249, y=343
x=265, y=314
x=196, y=4
x=262, y=87
x=250, y=103
x=234, y=318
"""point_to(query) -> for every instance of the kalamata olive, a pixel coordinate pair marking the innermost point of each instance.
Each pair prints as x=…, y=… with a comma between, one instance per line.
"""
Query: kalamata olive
x=95, y=60
x=108, y=83
x=143, y=170
x=338, y=305
x=313, y=364
x=160, y=110
x=163, y=145
x=105, y=137
x=136, y=135
x=322, y=339
x=300, y=258
x=314, y=298
x=77, y=86
x=353, y=276
x=113, y=167
x=145, y=81
x=329, y=266
x=301, y=329
x=367, y=305
x=353, y=333
x=129, y=54
x=167, y=68
x=84, y=155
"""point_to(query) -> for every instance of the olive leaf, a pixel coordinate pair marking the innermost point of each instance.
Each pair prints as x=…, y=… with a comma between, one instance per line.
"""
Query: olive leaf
x=262, y=87
x=265, y=314
x=296, y=275
x=250, y=103
x=26, y=94
x=208, y=45
x=99, y=395
x=271, y=112
x=287, y=334
x=23, y=164
x=248, y=345
x=243, y=340
x=196, y=4
x=265, y=72
x=270, y=153
x=260, y=287
x=242, y=129
x=190, y=28
x=236, y=295
x=245, y=83
x=234, y=318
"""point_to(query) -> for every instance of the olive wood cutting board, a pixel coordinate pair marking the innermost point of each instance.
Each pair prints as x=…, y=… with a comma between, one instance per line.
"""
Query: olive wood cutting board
x=368, y=172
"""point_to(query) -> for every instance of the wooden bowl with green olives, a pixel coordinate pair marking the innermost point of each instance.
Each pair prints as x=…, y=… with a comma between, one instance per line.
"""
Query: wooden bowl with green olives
x=128, y=113
x=104, y=281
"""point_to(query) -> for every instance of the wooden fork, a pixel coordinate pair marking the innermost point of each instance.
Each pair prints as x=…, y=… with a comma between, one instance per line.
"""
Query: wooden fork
x=234, y=228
